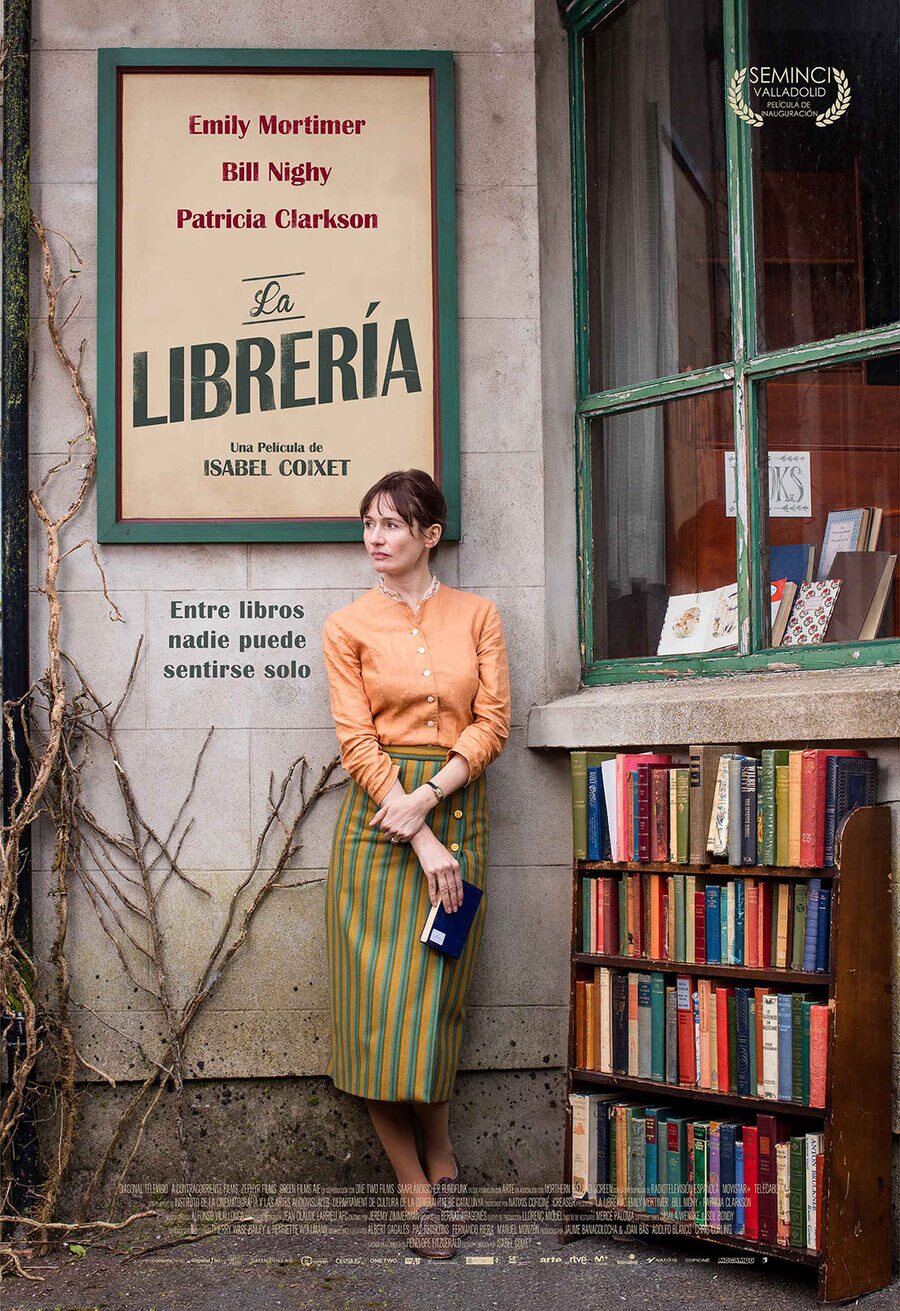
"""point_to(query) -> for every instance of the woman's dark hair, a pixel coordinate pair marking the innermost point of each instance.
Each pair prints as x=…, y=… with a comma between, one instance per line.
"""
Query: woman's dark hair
x=417, y=499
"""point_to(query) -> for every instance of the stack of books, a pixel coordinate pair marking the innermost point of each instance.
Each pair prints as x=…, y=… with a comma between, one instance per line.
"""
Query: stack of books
x=846, y=597
x=778, y=808
x=752, y=1179
x=702, y=1033
x=764, y=923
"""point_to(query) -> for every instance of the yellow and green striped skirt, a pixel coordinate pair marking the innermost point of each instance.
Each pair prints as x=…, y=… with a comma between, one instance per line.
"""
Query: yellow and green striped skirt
x=397, y=1005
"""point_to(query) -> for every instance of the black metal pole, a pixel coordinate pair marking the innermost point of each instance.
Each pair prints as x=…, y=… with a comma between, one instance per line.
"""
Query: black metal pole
x=14, y=507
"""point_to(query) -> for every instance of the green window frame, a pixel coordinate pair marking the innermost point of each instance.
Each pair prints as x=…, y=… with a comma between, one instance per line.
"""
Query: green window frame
x=744, y=374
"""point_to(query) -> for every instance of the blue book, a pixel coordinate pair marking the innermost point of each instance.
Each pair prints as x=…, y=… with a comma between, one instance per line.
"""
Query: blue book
x=855, y=782
x=724, y=945
x=785, y=1048
x=739, y=895
x=822, y=938
x=446, y=931
x=791, y=562
x=810, y=941
x=713, y=950
x=593, y=813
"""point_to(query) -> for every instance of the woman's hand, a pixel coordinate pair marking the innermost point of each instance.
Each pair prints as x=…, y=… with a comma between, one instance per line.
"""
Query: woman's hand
x=403, y=814
x=441, y=869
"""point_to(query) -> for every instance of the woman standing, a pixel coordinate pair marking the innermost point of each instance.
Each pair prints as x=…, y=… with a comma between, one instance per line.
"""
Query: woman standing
x=419, y=689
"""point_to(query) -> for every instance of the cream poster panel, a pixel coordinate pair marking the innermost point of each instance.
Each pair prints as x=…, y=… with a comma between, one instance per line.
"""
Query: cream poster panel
x=277, y=319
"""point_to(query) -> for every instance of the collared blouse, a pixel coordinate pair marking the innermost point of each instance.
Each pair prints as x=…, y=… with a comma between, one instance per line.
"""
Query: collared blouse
x=433, y=676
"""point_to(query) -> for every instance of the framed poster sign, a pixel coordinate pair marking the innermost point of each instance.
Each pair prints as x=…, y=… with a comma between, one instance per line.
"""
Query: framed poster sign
x=276, y=295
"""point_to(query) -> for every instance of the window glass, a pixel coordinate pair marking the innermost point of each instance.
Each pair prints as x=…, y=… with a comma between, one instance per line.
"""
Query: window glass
x=832, y=438
x=665, y=569
x=825, y=196
x=655, y=203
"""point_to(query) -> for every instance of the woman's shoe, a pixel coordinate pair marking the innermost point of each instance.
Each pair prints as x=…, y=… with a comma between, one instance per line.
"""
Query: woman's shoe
x=448, y=1193
x=430, y=1234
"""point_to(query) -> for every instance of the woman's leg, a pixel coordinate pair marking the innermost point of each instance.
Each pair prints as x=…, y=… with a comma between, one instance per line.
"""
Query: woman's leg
x=434, y=1117
x=394, y=1127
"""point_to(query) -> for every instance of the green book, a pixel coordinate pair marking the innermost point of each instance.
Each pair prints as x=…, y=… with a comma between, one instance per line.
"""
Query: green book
x=682, y=814
x=578, y=767
x=658, y=1026
x=798, y=1191
x=732, y=1040
x=767, y=799
x=751, y=1012
x=797, y=1000
x=701, y=1160
x=782, y=815
x=585, y=912
x=662, y=1163
x=680, y=946
x=676, y=1166
x=798, y=936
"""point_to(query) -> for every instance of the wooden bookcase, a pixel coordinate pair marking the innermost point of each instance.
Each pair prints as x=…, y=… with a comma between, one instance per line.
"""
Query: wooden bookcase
x=855, y=1253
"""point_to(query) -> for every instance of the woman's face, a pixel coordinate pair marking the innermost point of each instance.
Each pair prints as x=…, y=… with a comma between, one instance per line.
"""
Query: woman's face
x=392, y=547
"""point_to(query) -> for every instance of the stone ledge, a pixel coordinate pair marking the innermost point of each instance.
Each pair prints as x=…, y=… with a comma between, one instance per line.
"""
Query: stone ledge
x=811, y=705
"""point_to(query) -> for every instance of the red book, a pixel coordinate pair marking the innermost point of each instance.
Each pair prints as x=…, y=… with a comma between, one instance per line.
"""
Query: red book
x=724, y=1074
x=633, y=905
x=813, y=765
x=687, y=1060
x=643, y=812
x=659, y=814
x=624, y=808
x=751, y=1181
x=818, y=1054
x=664, y=914
x=700, y=928
x=770, y=1132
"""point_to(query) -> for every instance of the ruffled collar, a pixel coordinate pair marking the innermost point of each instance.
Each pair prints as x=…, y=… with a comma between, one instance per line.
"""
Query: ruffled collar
x=389, y=591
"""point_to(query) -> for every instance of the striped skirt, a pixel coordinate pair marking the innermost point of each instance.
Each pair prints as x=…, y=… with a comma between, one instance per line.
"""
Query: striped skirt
x=397, y=1006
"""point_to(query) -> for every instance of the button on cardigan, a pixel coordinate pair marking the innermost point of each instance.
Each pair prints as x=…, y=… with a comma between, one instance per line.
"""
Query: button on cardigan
x=434, y=677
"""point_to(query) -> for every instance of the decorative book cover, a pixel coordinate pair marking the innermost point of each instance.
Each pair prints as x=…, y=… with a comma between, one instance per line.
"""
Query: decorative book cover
x=446, y=931
x=812, y=612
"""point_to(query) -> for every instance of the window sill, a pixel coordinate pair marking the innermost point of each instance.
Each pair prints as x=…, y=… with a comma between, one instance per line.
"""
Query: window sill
x=812, y=705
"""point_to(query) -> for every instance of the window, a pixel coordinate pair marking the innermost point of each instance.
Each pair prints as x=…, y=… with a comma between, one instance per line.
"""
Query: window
x=737, y=334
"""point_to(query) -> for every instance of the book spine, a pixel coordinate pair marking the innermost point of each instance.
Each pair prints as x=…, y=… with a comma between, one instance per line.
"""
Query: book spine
x=739, y=1202
x=797, y=1000
x=659, y=813
x=735, y=821
x=650, y=1155
x=767, y=1185
x=823, y=939
x=742, y=1020
x=578, y=768
x=770, y=1045
x=751, y=1182
x=633, y=1050
x=714, y=1161
x=581, y=1146
x=783, y=1194
x=643, y=812
x=798, y=1192
x=686, y=1061
x=782, y=815
x=593, y=814
x=784, y=1047
x=620, y=1022
x=812, y=924
x=657, y=1026
x=722, y=1065
x=713, y=954
x=818, y=1054
x=697, y=833
x=726, y=1176
x=795, y=759
x=682, y=801
x=798, y=937
x=809, y=808
x=671, y=1035
x=748, y=812
x=645, y=1050
x=672, y=783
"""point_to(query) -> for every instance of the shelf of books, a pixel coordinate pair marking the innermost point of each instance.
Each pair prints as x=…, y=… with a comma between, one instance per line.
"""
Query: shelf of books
x=729, y=1062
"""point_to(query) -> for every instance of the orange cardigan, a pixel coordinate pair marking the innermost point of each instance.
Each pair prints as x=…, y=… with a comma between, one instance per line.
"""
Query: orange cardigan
x=397, y=678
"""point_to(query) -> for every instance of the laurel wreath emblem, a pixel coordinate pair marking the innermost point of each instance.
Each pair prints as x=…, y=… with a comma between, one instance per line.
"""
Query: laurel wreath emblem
x=739, y=104
x=840, y=105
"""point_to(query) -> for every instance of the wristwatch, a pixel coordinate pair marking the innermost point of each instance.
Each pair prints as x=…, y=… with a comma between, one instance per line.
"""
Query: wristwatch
x=437, y=789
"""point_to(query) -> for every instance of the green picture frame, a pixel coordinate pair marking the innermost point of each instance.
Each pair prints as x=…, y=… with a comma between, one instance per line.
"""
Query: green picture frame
x=111, y=62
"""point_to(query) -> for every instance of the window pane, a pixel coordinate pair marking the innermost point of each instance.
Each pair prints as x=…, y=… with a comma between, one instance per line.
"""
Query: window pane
x=661, y=530
x=828, y=259
x=833, y=441
x=657, y=224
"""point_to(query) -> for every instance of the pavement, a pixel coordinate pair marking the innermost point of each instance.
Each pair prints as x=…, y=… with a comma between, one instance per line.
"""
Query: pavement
x=260, y=1269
